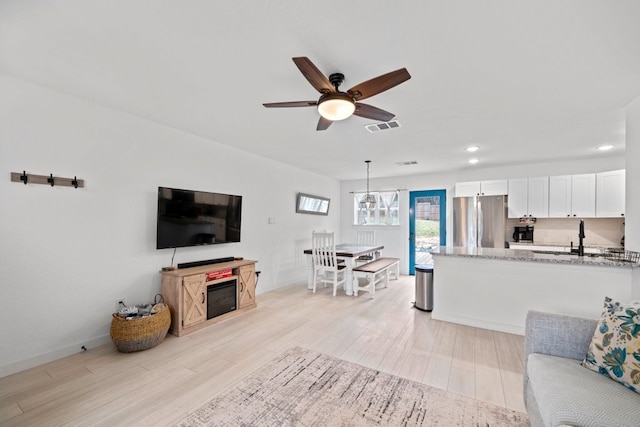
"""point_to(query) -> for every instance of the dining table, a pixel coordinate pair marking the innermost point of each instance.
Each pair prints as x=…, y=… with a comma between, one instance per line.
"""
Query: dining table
x=348, y=252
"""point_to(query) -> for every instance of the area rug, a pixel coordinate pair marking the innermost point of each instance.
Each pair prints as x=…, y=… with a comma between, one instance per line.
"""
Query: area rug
x=306, y=388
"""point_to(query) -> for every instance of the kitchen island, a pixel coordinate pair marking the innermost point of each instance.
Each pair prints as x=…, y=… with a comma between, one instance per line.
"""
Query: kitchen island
x=494, y=288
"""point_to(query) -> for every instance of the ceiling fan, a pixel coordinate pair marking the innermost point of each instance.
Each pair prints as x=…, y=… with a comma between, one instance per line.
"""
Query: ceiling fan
x=336, y=105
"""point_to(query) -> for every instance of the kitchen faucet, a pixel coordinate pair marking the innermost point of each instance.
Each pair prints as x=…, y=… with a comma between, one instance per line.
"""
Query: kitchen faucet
x=581, y=236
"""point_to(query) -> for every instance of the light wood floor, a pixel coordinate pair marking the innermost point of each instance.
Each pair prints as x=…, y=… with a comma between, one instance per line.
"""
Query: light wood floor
x=159, y=386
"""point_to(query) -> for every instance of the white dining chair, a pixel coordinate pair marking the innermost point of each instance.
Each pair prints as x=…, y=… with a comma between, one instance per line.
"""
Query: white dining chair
x=326, y=267
x=366, y=237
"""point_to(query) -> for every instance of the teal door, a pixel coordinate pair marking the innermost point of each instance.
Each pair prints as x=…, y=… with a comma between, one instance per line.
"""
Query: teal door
x=427, y=225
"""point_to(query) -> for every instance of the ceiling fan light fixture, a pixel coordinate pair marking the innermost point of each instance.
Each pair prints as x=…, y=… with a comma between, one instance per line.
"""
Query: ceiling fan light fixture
x=336, y=106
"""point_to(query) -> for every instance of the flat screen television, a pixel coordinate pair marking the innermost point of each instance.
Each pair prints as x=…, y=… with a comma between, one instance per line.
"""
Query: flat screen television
x=195, y=218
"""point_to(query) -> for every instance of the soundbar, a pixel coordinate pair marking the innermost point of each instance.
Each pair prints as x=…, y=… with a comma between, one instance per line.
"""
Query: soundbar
x=205, y=262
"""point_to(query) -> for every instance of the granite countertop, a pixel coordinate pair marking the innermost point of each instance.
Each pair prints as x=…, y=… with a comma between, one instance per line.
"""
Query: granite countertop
x=526, y=255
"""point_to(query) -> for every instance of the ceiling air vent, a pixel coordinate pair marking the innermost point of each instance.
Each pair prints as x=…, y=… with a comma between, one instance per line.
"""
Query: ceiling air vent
x=407, y=163
x=383, y=126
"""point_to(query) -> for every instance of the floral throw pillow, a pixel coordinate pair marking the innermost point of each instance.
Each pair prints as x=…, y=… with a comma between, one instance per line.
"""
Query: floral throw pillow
x=615, y=347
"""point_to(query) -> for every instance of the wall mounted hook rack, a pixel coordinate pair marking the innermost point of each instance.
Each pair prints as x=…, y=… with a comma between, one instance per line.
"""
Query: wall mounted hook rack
x=43, y=179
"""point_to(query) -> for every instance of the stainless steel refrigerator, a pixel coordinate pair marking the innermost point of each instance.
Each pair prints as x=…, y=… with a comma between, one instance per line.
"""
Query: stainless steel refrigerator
x=480, y=221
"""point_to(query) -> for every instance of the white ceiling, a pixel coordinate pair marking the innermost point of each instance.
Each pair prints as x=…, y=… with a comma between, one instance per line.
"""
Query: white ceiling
x=525, y=80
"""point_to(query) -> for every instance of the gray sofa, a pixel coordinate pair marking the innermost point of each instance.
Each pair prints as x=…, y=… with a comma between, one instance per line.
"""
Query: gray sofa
x=558, y=390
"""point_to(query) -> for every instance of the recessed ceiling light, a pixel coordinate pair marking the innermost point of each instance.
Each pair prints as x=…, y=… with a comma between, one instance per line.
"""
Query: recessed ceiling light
x=473, y=161
x=473, y=148
x=605, y=147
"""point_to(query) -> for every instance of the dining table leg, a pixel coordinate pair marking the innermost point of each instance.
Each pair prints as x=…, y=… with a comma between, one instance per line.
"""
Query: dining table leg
x=350, y=262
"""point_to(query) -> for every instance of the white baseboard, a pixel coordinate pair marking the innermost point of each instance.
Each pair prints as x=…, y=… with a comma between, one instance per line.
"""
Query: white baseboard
x=32, y=362
x=298, y=280
x=494, y=326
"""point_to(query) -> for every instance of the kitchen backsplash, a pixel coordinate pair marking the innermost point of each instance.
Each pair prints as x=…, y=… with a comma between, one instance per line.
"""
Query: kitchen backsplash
x=601, y=232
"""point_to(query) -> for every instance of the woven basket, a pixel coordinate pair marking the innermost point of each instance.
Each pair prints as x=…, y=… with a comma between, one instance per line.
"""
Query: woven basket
x=143, y=333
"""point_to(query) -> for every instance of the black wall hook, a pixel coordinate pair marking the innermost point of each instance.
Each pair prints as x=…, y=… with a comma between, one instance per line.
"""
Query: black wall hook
x=47, y=180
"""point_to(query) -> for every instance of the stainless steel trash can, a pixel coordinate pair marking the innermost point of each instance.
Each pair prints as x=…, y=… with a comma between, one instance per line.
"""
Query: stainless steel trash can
x=424, y=287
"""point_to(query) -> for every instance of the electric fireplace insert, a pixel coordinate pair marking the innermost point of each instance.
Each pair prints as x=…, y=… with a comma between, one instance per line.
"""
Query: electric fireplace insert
x=221, y=298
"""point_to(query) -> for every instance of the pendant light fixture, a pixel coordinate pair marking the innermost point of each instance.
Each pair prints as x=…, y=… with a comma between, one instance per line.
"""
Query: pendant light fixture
x=368, y=201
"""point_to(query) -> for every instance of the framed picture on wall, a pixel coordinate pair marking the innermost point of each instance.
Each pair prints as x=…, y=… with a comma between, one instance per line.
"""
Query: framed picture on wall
x=310, y=204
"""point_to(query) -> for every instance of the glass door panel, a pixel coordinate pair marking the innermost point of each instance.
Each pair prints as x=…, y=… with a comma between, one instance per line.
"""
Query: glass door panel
x=427, y=225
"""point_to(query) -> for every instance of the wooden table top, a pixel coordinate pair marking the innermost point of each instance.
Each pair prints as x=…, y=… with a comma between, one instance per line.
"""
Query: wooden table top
x=352, y=250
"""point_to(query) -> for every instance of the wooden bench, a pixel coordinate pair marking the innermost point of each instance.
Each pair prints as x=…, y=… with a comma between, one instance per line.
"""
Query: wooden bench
x=376, y=271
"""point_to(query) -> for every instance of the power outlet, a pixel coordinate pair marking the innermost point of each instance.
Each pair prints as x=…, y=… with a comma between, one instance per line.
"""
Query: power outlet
x=119, y=303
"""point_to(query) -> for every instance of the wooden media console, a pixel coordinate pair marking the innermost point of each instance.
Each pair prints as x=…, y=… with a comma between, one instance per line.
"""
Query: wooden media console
x=186, y=292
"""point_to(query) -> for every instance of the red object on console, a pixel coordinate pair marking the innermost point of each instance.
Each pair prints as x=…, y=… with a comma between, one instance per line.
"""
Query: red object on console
x=215, y=275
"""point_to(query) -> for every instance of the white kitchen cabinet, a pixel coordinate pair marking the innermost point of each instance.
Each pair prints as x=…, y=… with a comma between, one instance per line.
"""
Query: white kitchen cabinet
x=610, y=194
x=517, y=200
x=528, y=197
x=466, y=189
x=560, y=196
x=494, y=187
x=583, y=195
x=538, y=197
x=572, y=196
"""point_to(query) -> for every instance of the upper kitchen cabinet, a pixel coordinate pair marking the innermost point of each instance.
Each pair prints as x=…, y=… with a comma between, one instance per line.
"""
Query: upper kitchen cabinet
x=583, y=195
x=572, y=196
x=528, y=197
x=517, y=198
x=610, y=194
x=466, y=189
x=495, y=187
x=560, y=196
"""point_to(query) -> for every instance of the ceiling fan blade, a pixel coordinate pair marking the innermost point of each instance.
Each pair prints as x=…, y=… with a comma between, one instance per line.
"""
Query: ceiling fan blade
x=291, y=104
x=370, y=112
x=323, y=123
x=379, y=84
x=315, y=76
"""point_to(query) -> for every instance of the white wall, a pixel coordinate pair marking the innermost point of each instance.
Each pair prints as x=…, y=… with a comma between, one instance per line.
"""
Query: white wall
x=67, y=255
x=632, y=214
x=632, y=237
x=396, y=239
